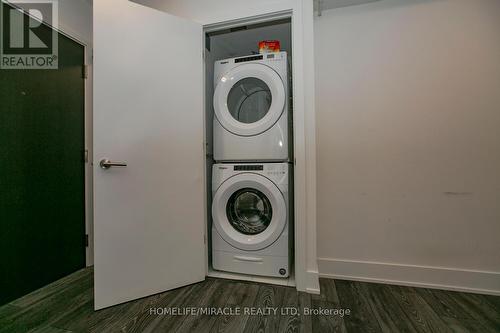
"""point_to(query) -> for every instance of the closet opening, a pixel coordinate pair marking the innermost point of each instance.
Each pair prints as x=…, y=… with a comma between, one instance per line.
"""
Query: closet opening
x=249, y=152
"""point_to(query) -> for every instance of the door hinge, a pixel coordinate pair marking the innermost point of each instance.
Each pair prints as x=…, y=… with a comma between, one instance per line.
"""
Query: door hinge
x=85, y=71
x=86, y=156
x=205, y=238
x=86, y=240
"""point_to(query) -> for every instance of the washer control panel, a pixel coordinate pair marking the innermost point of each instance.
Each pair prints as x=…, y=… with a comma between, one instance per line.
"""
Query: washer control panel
x=277, y=172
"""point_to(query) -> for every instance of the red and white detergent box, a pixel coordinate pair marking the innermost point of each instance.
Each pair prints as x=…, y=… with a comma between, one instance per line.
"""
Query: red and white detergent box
x=267, y=46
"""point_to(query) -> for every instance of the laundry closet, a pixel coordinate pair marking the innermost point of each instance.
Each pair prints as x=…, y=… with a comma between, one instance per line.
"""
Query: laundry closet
x=249, y=152
x=190, y=122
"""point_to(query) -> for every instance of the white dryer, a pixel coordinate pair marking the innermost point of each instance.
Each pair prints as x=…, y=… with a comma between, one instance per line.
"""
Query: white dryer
x=251, y=219
x=250, y=103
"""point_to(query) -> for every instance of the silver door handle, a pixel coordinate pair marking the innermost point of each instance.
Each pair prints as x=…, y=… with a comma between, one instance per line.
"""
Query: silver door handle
x=106, y=164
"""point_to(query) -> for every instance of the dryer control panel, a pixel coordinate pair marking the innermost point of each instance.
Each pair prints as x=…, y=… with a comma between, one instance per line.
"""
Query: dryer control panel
x=251, y=167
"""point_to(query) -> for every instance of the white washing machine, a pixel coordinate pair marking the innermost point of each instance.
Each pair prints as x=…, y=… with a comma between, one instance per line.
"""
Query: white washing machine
x=250, y=102
x=251, y=226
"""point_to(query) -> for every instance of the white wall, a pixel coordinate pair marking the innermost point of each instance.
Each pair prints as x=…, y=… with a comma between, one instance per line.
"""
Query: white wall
x=75, y=18
x=408, y=113
x=321, y=5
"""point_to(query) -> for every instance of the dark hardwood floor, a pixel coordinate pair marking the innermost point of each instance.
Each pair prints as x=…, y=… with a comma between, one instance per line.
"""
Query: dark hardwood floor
x=67, y=306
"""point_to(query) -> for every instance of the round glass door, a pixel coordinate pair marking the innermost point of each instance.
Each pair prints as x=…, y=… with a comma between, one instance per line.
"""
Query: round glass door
x=249, y=100
x=249, y=211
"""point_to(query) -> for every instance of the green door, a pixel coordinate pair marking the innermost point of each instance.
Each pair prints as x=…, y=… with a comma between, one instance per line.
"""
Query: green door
x=42, y=180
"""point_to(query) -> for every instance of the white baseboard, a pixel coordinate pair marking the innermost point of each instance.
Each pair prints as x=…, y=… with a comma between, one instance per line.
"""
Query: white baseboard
x=481, y=282
x=312, y=282
x=307, y=281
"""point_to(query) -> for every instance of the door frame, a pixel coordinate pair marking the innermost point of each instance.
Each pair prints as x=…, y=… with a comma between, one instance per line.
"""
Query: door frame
x=88, y=140
x=88, y=149
x=305, y=261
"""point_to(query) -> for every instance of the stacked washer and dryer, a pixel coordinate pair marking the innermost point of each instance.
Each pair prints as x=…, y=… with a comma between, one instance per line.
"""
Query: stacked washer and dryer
x=251, y=177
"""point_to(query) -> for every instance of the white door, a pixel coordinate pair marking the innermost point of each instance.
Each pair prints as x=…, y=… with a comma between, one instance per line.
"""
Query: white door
x=148, y=114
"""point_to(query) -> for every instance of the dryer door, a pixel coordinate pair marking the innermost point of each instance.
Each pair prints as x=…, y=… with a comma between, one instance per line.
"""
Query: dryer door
x=249, y=211
x=249, y=99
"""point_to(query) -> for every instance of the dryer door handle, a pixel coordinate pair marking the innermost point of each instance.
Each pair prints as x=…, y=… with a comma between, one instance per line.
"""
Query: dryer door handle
x=244, y=258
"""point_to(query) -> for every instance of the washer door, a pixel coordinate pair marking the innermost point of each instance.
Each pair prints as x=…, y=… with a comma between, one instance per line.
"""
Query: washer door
x=249, y=211
x=249, y=99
